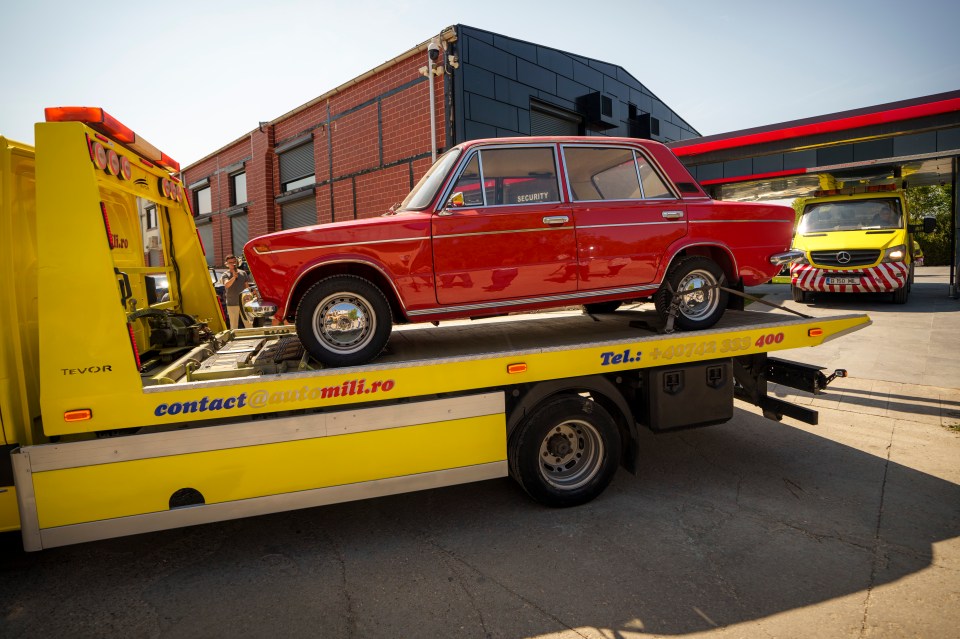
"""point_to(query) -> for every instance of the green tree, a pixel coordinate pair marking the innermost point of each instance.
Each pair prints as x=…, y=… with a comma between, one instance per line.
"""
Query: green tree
x=935, y=201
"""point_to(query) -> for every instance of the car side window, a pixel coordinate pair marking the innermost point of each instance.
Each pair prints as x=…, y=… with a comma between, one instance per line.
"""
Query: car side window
x=521, y=175
x=468, y=184
x=653, y=186
x=602, y=173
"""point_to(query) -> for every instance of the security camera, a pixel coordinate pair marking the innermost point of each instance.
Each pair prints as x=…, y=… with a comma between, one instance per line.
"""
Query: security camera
x=433, y=50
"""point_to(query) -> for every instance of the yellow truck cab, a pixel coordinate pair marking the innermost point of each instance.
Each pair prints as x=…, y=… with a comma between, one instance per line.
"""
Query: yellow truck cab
x=855, y=241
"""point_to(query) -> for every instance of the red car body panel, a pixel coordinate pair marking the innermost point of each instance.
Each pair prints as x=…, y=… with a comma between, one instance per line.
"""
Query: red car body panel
x=469, y=261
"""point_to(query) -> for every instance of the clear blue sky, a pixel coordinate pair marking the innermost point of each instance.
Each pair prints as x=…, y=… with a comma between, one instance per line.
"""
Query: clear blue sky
x=191, y=77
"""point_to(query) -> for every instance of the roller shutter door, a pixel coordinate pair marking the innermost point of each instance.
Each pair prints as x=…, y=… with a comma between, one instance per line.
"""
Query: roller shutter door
x=238, y=231
x=546, y=120
x=300, y=213
x=296, y=163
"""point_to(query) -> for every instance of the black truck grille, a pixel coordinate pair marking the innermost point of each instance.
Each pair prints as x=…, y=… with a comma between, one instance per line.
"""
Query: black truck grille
x=845, y=258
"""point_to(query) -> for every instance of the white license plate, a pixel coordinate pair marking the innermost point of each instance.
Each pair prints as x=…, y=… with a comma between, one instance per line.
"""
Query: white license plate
x=843, y=280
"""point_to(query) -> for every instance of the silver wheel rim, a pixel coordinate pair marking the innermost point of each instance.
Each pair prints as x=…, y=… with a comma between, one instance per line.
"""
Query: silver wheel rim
x=344, y=322
x=571, y=454
x=700, y=303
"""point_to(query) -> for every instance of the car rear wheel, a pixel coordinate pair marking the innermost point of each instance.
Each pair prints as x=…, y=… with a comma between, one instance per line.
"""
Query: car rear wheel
x=696, y=280
x=344, y=320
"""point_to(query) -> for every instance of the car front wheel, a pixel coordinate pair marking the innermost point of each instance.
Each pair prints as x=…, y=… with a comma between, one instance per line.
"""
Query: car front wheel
x=344, y=320
x=696, y=282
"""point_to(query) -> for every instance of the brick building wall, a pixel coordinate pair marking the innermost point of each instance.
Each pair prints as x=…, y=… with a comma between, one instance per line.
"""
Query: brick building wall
x=371, y=143
x=371, y=137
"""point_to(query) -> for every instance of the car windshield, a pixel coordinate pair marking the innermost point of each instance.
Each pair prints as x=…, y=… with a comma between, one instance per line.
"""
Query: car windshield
x=851, y=215
x=425, y=190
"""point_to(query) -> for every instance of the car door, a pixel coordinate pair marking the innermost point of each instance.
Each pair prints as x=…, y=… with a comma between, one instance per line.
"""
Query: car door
x=626, y=215
x=504, y=233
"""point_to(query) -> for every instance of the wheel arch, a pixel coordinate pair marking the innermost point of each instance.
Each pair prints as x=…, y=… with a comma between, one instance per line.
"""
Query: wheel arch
x=368, y=271
x=602, y=390
x=719, y=253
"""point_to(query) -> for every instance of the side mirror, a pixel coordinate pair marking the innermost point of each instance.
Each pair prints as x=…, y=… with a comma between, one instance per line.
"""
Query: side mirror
x=455, y=200
x=929, y=225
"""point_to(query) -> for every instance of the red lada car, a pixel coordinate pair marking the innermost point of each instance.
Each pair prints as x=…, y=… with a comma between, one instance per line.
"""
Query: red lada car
x=518, y=224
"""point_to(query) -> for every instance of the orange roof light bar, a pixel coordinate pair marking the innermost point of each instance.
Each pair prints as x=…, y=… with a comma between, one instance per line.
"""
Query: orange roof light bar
x=106, y=123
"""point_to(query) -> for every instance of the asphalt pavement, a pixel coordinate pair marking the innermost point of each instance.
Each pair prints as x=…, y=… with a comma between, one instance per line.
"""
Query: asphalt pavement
x=749, y=529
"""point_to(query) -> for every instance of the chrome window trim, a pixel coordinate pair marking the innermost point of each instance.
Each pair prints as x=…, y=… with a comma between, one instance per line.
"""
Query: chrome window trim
x=441, y=203
x=657, y=169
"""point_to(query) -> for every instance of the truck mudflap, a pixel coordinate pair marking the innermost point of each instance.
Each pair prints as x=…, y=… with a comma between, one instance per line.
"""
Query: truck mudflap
x=883, y=278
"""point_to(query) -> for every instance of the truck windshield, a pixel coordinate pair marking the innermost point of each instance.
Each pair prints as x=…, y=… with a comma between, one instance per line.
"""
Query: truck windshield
x=851, y=215
x=425, y=190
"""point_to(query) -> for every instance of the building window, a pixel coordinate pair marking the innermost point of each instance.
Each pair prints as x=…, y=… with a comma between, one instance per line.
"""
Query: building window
x=202, y=203
x=205, y=231
x=238, y=188
x=151, y=217
x=296, y=167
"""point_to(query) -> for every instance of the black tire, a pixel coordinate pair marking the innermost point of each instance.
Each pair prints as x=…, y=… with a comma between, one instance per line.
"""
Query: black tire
x=799, y=295
x=601, y=307
x=900, y=295
x=362, y=316
x=697, y=310
x=565, y=452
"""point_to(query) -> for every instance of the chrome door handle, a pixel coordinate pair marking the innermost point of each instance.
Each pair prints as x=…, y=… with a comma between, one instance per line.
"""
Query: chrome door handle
x=554, y=220
x=672, y=215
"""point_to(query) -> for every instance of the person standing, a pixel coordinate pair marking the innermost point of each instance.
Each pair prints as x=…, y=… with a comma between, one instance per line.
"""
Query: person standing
x=234, y=281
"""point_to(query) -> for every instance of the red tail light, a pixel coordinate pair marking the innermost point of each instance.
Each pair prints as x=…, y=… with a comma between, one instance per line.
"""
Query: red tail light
x=106, y=224
x=133, y=344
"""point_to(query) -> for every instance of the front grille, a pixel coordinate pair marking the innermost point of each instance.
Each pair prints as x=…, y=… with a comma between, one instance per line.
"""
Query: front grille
x=861, y=257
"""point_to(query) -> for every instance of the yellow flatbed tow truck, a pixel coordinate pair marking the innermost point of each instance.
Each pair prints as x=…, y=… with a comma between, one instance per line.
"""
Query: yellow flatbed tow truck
x=125, y=411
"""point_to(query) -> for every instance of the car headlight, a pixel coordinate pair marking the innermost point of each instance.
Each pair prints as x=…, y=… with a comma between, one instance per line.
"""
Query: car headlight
x=895, y=253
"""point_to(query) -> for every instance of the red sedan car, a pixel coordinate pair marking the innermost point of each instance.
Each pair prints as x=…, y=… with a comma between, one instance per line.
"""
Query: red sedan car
x=505, y=225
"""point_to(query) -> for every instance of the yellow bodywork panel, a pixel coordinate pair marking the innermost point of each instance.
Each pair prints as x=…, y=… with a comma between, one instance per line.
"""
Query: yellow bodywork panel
x=9, y=513
x=93, y=275
x=105, y=491
x=19, y=386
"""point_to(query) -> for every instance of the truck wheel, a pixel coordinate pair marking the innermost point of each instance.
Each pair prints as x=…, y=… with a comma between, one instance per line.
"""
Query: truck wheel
x=344, y=320
x=601, y=307
x=799, y=295
x=565, y=452
x=900, y=295
x=698, y=310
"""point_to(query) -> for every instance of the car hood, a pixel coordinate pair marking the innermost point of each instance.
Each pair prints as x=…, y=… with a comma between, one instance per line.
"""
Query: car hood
x=376, y=229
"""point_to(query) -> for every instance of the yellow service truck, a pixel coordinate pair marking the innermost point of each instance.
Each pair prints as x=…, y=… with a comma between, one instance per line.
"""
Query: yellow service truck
x=125, y=411
x=856, y=240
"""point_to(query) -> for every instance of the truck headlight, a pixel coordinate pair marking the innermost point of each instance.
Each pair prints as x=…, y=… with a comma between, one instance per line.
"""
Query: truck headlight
x=895, y=254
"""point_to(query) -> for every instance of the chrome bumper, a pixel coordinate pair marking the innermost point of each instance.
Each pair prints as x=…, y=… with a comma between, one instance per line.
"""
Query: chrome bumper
x=786, y=257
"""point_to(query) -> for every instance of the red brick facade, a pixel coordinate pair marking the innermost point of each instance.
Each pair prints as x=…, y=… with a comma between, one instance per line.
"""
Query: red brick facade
x=371, y=142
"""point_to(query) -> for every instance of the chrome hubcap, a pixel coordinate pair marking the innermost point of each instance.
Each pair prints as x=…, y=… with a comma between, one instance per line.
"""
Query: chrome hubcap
x=344, y=322
x=571, y=454
x=703, y=298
